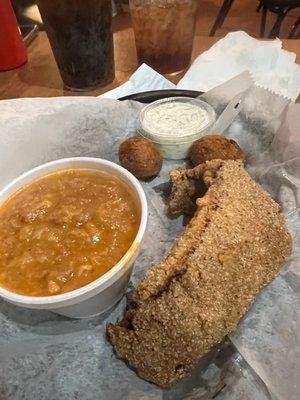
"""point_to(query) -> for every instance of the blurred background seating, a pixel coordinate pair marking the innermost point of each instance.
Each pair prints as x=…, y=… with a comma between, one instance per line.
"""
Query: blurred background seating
x=267, y=18
x=279, y=8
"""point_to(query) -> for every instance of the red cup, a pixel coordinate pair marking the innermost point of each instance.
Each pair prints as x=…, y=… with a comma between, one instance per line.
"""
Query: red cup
x=12, y=48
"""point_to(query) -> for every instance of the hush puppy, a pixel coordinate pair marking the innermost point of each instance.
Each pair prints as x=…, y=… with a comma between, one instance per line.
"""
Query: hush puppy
x=212, y=147
x=140, y=157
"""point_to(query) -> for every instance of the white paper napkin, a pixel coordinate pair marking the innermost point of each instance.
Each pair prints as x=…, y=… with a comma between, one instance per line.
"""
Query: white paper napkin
x=270, y=66
x=142, y=80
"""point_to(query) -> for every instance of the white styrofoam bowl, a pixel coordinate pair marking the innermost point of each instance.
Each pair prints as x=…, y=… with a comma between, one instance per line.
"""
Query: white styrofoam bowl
x=101, y=294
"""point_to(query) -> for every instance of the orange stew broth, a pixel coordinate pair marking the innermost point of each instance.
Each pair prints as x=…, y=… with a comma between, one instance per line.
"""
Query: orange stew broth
x=65, y=230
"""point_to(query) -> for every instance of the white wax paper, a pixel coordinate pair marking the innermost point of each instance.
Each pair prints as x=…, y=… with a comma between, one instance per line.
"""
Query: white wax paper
x=142, y=80
x=45, y=356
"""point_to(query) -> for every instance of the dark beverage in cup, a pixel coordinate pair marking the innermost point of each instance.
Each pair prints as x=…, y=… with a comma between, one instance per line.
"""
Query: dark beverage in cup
x=80, y=35
x=164, y=32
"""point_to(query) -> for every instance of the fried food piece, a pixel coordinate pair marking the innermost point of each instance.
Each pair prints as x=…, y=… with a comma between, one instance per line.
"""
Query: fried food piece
x=213, y=147
x=234, y=245
x=140, y=157
x=186, y=186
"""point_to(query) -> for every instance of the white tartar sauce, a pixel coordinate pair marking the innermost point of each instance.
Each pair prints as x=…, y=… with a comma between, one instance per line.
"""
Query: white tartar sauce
x=175, y=119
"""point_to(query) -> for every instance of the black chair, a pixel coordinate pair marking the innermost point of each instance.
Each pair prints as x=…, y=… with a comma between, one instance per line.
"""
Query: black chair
x=280, y=7
x=293, y=32
x=224, y=10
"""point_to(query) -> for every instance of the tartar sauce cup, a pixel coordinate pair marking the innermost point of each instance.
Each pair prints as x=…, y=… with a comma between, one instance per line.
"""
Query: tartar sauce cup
x=175, y=123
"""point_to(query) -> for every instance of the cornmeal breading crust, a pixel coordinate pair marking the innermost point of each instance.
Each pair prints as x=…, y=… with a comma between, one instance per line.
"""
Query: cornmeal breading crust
x=233, y=246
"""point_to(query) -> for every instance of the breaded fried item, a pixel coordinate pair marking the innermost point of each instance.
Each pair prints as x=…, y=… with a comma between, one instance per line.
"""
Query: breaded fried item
x=211, y=147
x=140, y=157
x=234, y=245
x=186, y=186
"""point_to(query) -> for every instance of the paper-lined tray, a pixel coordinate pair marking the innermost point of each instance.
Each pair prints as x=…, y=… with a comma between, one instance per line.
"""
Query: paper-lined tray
x=44, y=356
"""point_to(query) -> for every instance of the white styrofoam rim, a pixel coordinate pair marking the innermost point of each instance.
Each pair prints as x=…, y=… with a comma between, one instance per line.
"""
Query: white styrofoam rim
x=66, y=297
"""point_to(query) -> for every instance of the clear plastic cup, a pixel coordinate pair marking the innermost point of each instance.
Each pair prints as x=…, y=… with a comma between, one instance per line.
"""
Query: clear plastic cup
x=81, y=38
x=164, y=32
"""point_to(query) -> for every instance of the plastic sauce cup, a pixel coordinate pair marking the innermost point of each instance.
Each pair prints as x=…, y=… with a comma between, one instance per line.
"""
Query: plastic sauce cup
x=176, y=147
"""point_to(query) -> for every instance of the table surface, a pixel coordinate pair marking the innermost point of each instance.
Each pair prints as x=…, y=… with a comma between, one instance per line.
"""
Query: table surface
x=40, y=76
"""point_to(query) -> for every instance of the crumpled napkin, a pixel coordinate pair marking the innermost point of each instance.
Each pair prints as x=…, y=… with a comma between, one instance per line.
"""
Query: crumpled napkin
x=142, y=80
x=271, y=67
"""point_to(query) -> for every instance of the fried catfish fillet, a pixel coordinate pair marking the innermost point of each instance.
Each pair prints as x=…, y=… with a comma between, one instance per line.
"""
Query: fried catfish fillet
x=233, y=246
